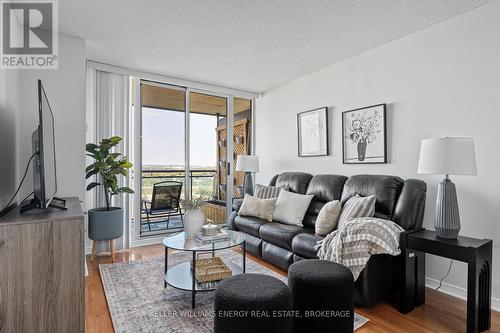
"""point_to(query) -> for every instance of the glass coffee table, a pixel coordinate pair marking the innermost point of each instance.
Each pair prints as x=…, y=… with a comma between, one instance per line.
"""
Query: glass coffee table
x=181, y=276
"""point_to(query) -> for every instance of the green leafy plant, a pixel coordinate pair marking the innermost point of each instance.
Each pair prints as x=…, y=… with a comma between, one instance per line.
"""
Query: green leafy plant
x=107, y=166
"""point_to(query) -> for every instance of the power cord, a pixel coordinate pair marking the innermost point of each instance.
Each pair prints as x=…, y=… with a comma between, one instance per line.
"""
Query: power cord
x=19, y=187
x=444, y=277
x=21, y=202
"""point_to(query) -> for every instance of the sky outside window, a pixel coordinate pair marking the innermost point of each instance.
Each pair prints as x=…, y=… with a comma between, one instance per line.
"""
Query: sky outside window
x=163, y=138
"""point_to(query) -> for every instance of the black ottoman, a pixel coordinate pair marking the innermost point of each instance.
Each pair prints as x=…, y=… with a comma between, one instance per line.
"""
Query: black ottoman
x=322, y=292
x=252, y=303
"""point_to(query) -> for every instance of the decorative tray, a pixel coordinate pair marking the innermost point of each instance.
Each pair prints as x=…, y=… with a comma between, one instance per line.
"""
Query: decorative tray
x=211, y=269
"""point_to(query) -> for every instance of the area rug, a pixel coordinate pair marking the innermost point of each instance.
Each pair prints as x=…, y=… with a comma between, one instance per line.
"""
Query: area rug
x=138, y=302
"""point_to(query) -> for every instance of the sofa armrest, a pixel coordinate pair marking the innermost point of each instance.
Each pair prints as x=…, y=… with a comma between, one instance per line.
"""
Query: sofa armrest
x=230, y=221
x=236, y=207
x=404, y=234
x=237, y=204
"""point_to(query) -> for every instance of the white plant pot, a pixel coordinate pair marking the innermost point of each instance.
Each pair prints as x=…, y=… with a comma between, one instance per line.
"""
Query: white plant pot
x=193, y=221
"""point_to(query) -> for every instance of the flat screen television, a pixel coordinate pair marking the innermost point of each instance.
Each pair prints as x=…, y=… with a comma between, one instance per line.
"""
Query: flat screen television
x=44, y=163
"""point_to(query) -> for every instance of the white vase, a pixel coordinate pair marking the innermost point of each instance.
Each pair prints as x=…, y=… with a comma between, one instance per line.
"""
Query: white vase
x=193, y=221
x=189, y=243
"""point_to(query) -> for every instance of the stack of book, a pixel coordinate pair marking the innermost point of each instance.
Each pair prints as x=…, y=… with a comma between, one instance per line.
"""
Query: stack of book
x=220, y=237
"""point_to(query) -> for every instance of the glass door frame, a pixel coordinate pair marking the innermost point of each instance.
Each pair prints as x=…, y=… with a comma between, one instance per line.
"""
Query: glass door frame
x=187, y=167
x=229, y=143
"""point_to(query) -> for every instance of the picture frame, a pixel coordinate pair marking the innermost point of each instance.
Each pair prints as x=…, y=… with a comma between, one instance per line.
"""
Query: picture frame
x=313, y=133
x=364, y=135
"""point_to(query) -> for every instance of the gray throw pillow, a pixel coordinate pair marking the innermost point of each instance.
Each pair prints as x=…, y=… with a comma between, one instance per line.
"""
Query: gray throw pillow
x=266, y=192
x=357, y=206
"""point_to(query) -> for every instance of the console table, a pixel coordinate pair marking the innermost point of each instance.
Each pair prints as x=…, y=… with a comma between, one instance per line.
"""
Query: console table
x=475, y=252
x=42, y=287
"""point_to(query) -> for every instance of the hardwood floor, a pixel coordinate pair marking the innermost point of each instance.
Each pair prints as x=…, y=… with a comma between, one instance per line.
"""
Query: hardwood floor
x=441, y=313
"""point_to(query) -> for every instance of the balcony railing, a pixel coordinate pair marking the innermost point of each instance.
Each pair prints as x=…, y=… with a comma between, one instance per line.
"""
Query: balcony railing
x=202, y=184
x=202, y=181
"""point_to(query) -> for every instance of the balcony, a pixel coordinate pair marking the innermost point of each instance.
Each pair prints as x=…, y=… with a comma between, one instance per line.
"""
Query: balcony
x=203, y=184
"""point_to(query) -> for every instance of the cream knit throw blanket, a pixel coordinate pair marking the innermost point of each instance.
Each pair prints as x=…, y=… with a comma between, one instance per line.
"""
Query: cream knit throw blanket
x=353, y=244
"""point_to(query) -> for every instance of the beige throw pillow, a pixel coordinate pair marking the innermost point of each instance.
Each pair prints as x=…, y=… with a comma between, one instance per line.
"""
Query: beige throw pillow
x=261, y=208
x=328, y=217
x=291, y=207
x=357, y=206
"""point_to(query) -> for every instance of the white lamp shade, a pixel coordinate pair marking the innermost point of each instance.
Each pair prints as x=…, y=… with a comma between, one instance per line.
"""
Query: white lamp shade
x=247, y=163
x=450, y=155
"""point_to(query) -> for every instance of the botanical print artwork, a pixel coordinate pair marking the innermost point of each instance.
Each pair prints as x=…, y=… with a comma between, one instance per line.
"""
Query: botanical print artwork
x=313, y=133
x=363, y=129
x=364, y=135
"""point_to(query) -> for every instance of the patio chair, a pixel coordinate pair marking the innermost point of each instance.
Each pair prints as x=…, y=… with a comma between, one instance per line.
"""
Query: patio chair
x=165, y=202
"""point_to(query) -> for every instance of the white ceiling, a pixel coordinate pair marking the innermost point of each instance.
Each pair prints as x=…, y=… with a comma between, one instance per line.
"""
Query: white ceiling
x=253, y=45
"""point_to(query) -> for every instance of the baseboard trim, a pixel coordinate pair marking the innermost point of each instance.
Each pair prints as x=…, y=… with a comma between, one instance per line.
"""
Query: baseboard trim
x=148, y=241
x=455, y=291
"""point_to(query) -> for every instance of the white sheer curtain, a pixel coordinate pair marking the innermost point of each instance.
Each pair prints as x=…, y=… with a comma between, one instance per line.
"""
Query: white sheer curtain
x=108, y=114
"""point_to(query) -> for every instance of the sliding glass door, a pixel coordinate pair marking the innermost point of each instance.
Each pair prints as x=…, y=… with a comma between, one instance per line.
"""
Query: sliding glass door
x=163, y=162
x=189, y=151
x=206, y=111
x=220, y=128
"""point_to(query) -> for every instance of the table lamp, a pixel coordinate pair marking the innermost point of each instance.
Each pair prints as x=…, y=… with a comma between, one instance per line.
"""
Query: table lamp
x=447, y=156
x=248, y=164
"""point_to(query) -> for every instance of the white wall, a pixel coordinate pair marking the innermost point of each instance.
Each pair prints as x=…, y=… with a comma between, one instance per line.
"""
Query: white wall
x=65, y=89
x=9, y=107
x=441, y=81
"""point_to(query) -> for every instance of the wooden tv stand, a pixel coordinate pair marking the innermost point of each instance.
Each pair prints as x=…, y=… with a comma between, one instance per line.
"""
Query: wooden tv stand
x=42, y=286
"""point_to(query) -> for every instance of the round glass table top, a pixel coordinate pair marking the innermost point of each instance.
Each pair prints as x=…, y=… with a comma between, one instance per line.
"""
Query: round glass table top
x=181, y=242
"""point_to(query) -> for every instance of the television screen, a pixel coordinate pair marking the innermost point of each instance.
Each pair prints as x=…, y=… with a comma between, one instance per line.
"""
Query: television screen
x=47, y=149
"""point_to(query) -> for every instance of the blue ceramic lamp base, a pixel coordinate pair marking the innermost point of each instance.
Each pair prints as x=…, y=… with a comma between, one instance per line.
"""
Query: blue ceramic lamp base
x=447, y=223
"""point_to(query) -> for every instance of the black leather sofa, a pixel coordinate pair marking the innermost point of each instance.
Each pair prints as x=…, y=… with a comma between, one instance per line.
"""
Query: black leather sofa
x=398, y=200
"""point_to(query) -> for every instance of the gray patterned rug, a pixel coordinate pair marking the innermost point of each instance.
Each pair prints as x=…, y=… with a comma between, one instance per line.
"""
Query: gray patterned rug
x=138, y=302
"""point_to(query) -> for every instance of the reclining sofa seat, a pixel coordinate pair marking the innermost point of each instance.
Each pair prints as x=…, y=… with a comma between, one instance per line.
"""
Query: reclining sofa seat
x=397, y=200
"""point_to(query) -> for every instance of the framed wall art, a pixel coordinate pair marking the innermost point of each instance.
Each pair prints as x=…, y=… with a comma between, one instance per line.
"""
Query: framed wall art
x=312, y=128
x=364, y=137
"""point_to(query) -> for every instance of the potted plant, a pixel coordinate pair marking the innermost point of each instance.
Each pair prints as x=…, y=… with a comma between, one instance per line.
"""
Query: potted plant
x=106, y=223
